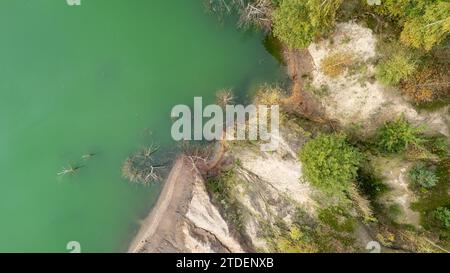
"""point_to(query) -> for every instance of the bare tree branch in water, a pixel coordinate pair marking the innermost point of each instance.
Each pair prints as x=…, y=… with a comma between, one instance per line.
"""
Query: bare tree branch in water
x=251, y=12
x=69, y=170
x=258, y=13
x=144, y=167
x=88, y=156
x=222, y=7
x=198, y=153
x=224, y=97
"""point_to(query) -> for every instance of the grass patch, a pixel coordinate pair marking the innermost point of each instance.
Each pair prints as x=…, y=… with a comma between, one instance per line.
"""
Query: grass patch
x=332, y=232
x=337, y=63
x=337, y=218
x=294, y=238
x=335, y=231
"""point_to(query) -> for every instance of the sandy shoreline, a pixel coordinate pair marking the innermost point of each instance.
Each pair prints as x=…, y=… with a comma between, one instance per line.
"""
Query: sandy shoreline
x=153, y=220
x=184, y=220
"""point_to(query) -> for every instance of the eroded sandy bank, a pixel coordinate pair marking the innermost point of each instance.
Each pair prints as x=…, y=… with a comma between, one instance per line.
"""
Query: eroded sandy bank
x=184, y=219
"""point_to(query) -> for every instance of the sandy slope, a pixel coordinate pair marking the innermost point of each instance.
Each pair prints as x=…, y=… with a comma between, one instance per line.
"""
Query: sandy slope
x=184, y=219
x=153, y=220
x=356, y=99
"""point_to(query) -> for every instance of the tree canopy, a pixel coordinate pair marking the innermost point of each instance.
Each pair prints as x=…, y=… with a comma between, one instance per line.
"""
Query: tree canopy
x=424, y=23
x=396, y=136
x=428, y=30
x=330, y=163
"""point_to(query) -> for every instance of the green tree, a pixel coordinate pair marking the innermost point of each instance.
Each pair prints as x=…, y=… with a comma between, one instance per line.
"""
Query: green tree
x=396, y=136
x=330, y=163
x=428, y=30
x=298, y=22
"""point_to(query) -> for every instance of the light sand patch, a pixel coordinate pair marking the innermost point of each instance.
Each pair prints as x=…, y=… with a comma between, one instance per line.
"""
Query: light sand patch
x=355, y=99
x=284, y=175
x=395, y=174
x=205, y=216
x=184, y=219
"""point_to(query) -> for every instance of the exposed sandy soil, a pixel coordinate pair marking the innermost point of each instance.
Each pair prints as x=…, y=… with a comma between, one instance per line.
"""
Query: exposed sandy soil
x=283, y=174
x=174, y=192
x=357, y=98
x=299, y=66
x=207, y=221
x=395, y=175
x=269, y=185
x=184, y=220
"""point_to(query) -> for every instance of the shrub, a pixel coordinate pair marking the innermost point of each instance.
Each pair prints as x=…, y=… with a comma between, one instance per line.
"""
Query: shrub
x=396, y=136
x=290, y=24
x=335, y=230
x=295, y=240
x=298, y=22
x=398, y=67
x=418, y=153
x=330, y=163
x=269, y=95
x=442, y=214
x=336, y=63
x=430, y=29
x=438, y=145
x=424, y=23
x=337, y=218
x=421, y=175
x=427, y=85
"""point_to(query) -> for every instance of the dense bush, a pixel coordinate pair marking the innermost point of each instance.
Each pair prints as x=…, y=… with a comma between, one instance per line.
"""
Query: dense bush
x=298, y=22
x=442, y=214
x=330, y=163
x=269, y=95
x=296, y=240
x=394, y=69
x=429, y=29
x=424, y=23
x=396, y=136
x=422, y=176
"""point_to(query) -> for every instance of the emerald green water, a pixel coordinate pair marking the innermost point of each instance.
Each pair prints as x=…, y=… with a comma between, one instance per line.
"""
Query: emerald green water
x=97, y=78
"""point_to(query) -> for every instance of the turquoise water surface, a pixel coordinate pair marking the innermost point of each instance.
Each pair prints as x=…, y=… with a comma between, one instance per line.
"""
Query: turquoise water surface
x=101, y=78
